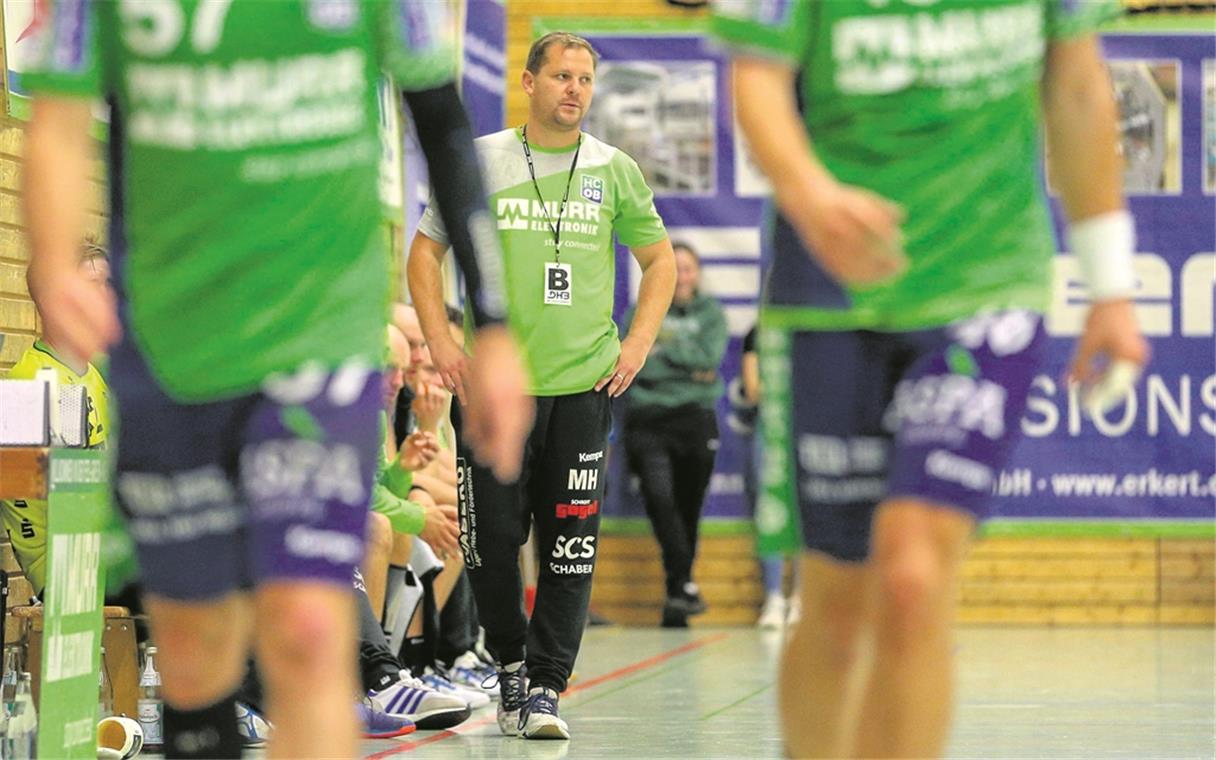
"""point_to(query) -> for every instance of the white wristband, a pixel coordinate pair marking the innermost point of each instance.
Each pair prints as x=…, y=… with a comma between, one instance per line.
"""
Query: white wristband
x=1105, y=246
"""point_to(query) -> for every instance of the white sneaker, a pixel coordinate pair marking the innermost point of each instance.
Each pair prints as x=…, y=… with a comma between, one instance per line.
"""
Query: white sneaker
x=428, y=708
x=512, y=690
x=253, y=728
x=439, y=683
x=772, y=615
x=538, y=717
x=795, y=612
x=469, y=672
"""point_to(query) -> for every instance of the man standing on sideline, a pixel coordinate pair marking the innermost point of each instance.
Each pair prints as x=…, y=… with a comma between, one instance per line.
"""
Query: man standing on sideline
x=252, y=296
x=902, y=323
x=559, y=195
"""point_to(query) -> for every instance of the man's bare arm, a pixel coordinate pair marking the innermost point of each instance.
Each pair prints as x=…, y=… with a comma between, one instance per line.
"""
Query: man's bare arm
x=58, y=154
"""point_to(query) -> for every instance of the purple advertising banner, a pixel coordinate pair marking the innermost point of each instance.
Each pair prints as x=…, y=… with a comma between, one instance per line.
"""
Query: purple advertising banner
x=1154, y=457
x=664, y=98
x=483, y=77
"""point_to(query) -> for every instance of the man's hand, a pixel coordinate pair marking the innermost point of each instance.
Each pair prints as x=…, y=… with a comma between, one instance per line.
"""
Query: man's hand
x=499, y=413
x=633, y=356
x=442, y=531
x=1109, y=354
x=451, y=362
x=417, y=451
x=429, y=406
x=82, y=316
x=852, y=232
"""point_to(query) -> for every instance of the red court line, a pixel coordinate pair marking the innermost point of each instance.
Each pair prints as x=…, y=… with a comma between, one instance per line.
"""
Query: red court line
x=649, y=662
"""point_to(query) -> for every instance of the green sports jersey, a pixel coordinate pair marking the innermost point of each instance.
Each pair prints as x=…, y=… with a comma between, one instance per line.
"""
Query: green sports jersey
x=935, y=105
x=562, y=317
x=243, y=170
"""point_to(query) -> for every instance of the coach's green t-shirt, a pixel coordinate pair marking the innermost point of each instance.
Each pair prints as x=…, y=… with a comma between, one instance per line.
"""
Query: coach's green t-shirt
x=562, y=317
x=935, y=105
x=243, y=164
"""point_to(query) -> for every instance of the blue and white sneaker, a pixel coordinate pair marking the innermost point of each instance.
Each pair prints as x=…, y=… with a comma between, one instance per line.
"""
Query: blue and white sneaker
x=469, y=672
x=253, y=728
x=378, y=724
x=412, y=699
x=512, y=691
x=538, y=718
x=440, y=683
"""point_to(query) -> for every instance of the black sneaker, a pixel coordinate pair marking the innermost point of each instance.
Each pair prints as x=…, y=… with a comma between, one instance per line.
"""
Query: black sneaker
x=673, y=617
x=538, y=719
x=687, y=600
x=512, y=691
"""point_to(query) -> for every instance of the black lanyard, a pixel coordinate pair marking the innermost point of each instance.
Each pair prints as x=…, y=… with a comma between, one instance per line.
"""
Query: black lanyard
x=561, y=211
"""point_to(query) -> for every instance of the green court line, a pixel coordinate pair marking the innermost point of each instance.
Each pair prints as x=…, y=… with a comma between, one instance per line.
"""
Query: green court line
x=626, y=684
x=675, y=665
x=1000, y=528
x=737, y=702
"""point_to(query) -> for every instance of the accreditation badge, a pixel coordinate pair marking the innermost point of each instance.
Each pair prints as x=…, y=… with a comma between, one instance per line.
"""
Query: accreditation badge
x=558, y=284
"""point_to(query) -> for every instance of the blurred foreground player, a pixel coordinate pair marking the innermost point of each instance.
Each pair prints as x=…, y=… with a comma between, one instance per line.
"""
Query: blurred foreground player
x=902, y=323
x=252, y=296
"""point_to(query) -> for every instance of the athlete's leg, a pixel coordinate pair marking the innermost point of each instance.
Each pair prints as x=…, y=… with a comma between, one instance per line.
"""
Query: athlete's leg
x=917, y=554
x=694, y=468
x=306, y=650
x=569, y=488
x=399, y=555
x=836, y=456
x=974, y=376
x=441, y=586
x=376, y=560
x=203, y=647
x=825, y=657
x=649, y=455
x=308, y=494
x=179, y=494
x=493, y=525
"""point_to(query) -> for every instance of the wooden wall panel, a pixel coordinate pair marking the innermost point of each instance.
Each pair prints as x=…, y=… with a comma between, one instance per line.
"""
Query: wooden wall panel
x=1006, y=581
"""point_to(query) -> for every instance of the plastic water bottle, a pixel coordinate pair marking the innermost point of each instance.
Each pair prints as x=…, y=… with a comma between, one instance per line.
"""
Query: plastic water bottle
x=3, y=732
x=21, y=738
x=151, y=707
x=105, y=690
x=12, y=677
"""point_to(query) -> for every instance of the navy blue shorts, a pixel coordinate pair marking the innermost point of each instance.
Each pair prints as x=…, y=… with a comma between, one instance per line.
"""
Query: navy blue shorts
x=229, y=494
x=857, y=417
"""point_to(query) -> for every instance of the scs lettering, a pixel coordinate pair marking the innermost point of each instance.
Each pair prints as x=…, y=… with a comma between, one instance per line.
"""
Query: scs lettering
x=580, y=508
x=575, y=547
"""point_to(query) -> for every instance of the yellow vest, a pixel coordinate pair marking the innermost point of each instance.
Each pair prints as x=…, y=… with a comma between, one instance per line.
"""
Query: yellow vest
x=25, y=520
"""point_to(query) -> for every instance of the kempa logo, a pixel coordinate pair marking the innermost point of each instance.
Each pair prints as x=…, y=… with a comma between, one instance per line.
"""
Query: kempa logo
x=583, y=480
x=580, y=508
x=593, y=456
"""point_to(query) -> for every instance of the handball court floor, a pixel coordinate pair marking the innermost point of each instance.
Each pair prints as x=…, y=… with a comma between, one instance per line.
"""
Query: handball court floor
x=1023, y=693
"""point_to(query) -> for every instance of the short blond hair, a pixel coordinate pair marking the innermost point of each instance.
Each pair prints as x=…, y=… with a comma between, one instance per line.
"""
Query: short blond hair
x=536, y=54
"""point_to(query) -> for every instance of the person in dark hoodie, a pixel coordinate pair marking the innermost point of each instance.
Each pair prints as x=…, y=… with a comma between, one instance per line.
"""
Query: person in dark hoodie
x=671, y=428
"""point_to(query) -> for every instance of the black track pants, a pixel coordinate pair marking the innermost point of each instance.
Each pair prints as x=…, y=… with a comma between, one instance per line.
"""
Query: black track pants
x=673, y=457
x=559, y=491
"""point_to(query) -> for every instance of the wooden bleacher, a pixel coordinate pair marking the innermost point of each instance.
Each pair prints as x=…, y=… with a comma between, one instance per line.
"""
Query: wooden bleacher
x=1014, y=581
